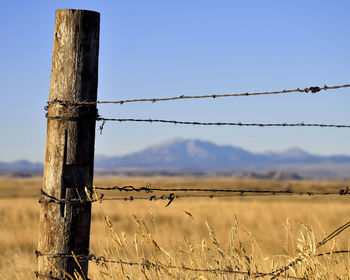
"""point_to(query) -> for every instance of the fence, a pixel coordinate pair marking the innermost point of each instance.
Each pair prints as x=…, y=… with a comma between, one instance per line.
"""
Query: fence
x=68, y=191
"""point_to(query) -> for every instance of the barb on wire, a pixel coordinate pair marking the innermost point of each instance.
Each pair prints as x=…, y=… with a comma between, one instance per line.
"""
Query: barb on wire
x=312, y=89
x=102, y=126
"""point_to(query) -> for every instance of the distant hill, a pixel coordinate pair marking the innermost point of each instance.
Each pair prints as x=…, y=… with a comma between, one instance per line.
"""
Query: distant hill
x=21, y=166
x=198, y=157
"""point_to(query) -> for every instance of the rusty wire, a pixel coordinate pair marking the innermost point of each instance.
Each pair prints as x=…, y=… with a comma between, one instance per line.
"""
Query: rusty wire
x=46, y=198
x=313, y=89
x=149, y=189
x=172, y=197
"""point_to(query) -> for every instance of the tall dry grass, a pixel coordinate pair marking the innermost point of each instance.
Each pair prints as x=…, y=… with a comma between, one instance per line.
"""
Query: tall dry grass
x=241, y=234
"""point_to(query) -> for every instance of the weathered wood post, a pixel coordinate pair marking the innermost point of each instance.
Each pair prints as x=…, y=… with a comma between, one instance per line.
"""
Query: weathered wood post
x=69, y=156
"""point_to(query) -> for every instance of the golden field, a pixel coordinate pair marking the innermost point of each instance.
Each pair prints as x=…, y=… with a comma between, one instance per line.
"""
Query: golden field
x=255, y=234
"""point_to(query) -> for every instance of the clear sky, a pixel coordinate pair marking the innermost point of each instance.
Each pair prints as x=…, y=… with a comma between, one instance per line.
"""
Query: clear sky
x=169, y=48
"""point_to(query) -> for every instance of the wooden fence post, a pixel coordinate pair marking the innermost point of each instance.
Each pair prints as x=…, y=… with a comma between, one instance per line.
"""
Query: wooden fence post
x=69, y=156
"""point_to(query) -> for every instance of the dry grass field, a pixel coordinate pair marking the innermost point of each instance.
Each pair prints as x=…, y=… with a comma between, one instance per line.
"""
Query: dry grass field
x=249, y=234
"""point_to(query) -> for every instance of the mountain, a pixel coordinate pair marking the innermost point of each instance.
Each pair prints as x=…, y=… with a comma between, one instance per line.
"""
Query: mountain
x=197, y=154
x=179, y=156
x=203, y=157
x=22, y=166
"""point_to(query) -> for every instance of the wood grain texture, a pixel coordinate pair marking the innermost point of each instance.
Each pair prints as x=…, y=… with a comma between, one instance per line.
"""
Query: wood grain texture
x=69, y=155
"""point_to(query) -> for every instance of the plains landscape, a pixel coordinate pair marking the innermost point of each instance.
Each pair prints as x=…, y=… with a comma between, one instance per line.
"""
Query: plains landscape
x=202, y=238
x=210, y=137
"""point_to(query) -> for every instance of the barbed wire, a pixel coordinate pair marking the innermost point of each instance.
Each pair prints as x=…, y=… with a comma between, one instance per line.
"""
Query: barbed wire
x=302, y=124
x=54, y=200
x=147, y=264
x=149, y=189
x=313, y=89
x=171, y=197
x=225, y=123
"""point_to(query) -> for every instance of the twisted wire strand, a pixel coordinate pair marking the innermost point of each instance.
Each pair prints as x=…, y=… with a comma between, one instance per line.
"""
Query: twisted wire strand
x=150, y=189
x=172, y=197
x=302, y=124
x=312, y=89
x=46, y=198
x=147, y=264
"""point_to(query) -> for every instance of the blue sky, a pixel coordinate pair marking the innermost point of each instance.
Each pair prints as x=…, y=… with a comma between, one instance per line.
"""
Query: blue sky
x=169, y=48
